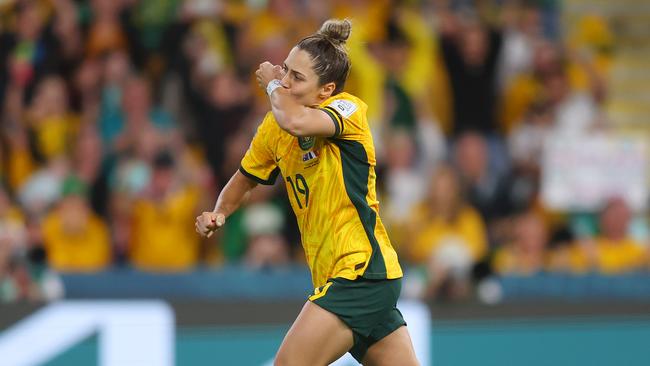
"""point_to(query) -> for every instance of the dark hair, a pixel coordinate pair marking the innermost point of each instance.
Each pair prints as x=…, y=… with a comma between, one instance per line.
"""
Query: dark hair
x=395, y=36
x=327, y=50
x=163, y=160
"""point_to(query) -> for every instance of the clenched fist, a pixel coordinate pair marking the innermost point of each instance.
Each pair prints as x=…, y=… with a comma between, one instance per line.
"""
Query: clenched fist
x=209, y=222
x=267, y=72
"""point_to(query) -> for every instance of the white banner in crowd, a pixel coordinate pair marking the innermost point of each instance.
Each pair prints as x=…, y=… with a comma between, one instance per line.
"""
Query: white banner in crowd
x=581, y=173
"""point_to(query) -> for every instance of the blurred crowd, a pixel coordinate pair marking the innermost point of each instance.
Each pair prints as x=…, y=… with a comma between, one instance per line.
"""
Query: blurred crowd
x=122, y=119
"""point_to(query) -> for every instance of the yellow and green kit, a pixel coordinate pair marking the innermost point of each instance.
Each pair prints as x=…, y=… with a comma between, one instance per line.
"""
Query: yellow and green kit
x=330, y=182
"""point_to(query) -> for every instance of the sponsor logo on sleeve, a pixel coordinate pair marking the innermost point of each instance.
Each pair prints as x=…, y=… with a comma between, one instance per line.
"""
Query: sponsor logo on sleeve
x=344, y=107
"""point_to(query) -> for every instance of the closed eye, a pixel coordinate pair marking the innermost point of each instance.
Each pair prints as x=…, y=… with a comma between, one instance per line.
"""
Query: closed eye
x=296, y=75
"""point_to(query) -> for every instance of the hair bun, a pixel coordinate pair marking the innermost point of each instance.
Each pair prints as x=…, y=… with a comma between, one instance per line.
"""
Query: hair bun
x=336, y=30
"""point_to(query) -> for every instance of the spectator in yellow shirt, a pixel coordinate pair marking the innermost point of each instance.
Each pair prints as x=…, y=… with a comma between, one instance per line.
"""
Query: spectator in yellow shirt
x=16, y=160
x=527, y=252
x=613, y=251
x=162, y=234
x=75, y=238
x=449, y=235
x=49, y=118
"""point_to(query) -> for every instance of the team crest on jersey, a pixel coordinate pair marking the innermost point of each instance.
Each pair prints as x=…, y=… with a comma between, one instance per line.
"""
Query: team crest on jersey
x=306, y=143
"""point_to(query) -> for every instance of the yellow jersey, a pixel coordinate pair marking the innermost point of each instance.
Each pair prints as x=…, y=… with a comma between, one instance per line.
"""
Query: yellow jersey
x=86, y=250
x=330, y=182
x=609, y=256
x=161, y=237
x=467, y=229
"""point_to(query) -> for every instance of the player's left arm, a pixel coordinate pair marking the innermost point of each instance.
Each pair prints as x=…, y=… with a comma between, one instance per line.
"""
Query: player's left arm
x=293, y=117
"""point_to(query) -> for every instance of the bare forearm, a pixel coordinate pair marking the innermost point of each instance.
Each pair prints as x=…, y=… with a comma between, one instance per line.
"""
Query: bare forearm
x=287, y=112
x=234, y=194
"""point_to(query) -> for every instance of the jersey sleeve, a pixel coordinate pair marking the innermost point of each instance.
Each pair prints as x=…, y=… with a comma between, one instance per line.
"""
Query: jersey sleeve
x=349, y=118
x=259, y=162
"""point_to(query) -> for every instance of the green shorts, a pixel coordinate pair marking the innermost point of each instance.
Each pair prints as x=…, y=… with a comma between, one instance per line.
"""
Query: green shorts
x=368, y=307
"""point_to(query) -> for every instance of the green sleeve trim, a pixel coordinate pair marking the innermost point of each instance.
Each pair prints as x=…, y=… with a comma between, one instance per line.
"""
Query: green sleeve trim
x=267, y=182
x=336, y=118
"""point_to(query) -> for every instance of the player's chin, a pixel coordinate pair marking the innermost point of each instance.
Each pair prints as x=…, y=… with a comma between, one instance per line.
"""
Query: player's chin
x=296, y=94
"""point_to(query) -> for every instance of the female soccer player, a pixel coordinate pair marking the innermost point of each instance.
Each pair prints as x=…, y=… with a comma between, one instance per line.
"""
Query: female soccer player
x=318, y=137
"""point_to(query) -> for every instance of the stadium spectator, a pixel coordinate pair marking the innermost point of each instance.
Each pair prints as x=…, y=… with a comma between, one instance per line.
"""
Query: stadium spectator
x=526, y=141
x=15, y=283
x=115, y=73
x=53, y=126
x=86, y=163
x=76, y=239
x=527, y=253
x=18, y=163
x=43, y=188
x=266, y=246
x=613, y=250
x=161, y=235
x=447, y=237
x=522, y=31
x=470, y=51
x=29, y=50
x=222, y=107
x=13, y=232
x=484, y=186
x=555, y=79
x=525, y=89
x=106, y=28
x=139, y=116
x=575, y=113
x=87, y=90
x=404, y=186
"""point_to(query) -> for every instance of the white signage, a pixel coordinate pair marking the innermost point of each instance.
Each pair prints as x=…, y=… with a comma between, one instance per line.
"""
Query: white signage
x=582, y=173
x=130, y=333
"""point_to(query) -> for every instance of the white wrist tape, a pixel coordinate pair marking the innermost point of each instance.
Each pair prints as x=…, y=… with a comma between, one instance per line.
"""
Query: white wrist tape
x=272, y=85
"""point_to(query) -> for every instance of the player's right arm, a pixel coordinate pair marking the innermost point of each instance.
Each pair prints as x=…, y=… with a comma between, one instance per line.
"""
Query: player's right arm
x=231, y=197
x=257, y=166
